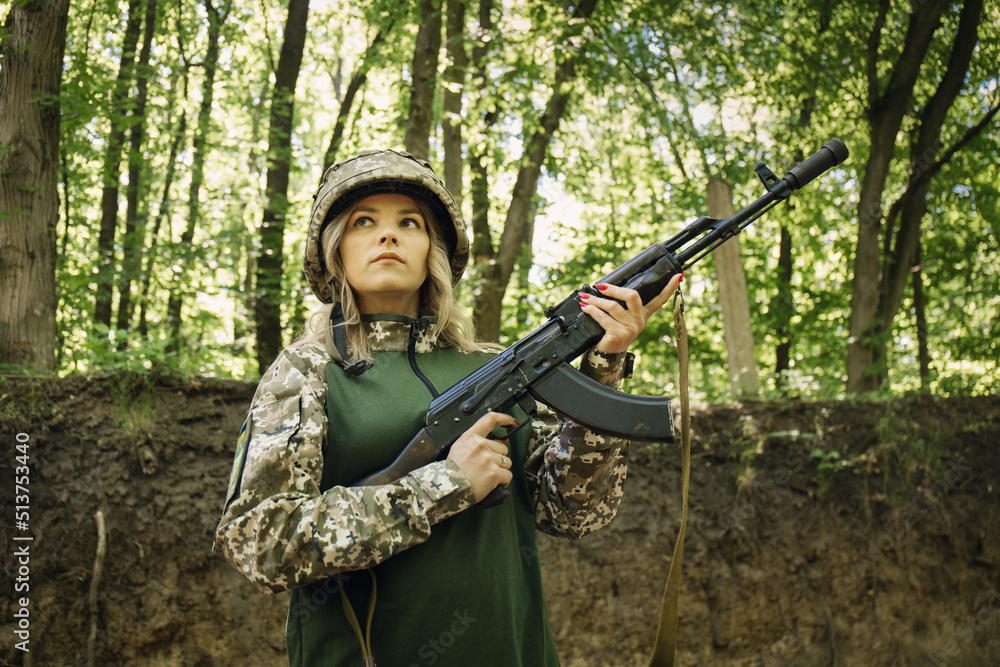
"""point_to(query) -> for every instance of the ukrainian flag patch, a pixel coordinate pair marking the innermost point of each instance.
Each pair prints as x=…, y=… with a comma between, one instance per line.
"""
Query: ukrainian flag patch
x=241, y=455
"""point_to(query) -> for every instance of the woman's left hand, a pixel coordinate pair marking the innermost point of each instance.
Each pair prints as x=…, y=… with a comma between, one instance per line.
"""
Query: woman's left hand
x=621, y=325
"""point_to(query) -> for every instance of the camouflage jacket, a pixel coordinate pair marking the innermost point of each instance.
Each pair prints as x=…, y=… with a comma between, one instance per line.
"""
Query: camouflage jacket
x=282, y=532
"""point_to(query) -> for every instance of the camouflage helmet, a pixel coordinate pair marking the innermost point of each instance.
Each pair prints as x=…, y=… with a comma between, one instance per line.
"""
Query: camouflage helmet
x=374, y=172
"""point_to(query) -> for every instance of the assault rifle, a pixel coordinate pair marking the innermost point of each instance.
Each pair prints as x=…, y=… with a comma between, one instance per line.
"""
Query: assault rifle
x=537, y=367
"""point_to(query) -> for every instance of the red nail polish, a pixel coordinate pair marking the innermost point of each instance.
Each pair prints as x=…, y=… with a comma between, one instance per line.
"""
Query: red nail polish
x=682, y=277
x=583, y=295
x=601, y=286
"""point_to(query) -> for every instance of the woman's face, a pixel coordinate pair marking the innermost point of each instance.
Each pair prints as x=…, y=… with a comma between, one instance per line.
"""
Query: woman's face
x=384, y=252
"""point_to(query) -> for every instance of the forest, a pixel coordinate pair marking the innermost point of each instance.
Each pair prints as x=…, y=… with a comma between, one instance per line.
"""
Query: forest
x=158, y=160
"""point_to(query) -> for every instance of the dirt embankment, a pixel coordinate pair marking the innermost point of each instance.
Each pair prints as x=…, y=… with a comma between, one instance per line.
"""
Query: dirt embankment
x=887, y=553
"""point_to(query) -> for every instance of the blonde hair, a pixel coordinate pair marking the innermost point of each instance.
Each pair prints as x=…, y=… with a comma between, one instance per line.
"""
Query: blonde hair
x=437, y=296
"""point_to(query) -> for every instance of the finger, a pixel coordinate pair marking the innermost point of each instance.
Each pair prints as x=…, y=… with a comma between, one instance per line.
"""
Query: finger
x=617, y=337
x=497, y=447
x=619, y=321
x=607, y=322
x=613, y=306
x=631, y=298
x=490, y=421
x=622, y=323
x=615, y=320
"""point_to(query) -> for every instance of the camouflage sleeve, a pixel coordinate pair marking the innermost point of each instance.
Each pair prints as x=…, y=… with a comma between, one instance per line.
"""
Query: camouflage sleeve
x=577, y=476
x=278, y=529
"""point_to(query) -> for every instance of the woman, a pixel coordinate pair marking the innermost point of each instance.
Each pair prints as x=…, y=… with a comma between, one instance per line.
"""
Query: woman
x=448, y=582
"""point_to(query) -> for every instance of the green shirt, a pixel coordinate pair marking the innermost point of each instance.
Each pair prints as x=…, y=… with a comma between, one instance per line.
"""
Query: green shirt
x=472, y=593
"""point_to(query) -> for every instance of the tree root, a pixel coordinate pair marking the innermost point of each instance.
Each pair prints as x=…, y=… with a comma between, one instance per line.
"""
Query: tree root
x=95, y=583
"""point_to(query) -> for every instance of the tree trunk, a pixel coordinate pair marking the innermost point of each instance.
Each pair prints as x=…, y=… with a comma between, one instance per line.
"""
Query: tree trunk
x=784, y=307
x=111, y=175
x=424, y=76
x=270, y=263
x=162, y=214
x=451, y=121
x=210, y=63
x=911, y=208
x=178, y=136
x=524, y=264
x=358, y=80
x=733, y=297
x=482, y=252
x=241, y=328
x=886, y=110
x=496, y=275
x=31, y=51
x=245, y=328
x=135, y=228
x=920, y=314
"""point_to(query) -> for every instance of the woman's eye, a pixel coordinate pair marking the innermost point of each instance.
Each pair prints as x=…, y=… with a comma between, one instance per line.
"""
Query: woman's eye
x=411, y=223
x=363, y=222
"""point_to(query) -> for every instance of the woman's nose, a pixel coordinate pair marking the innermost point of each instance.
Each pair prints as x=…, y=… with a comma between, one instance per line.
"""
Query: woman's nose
x=388, y=236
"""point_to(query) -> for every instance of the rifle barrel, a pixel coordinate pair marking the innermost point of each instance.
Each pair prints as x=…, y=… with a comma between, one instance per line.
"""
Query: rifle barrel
x=830, y=155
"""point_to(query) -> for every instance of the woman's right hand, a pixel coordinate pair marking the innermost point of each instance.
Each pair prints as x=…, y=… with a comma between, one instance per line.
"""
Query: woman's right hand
x=484, y=461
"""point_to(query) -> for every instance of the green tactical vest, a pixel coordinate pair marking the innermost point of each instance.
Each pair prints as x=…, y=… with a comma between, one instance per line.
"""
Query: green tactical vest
x=471, y=594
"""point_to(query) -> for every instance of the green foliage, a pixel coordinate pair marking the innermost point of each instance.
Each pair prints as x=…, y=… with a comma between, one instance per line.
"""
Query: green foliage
x=133, y=397
x=114, y=352
x=906, y=450
x=828, y=463
x=18, y=413
x=667, y=95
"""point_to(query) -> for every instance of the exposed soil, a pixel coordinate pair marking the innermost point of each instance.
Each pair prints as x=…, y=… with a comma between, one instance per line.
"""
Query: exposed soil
x=888, y=554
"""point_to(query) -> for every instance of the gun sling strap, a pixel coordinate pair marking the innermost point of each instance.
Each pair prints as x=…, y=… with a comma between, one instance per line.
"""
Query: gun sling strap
x=666, y=634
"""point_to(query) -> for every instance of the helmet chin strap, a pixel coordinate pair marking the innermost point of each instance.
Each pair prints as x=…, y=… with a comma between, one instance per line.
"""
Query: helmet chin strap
x=336, y=343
